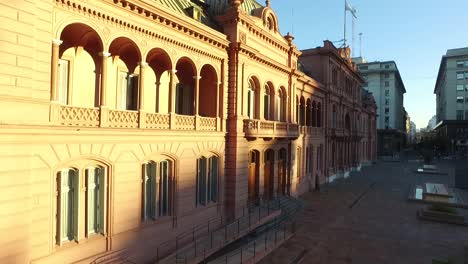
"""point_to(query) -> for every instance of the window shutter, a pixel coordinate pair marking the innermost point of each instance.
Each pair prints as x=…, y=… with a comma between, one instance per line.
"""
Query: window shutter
x=144, y=186
x=198, y=200
x=202, y=174
x=62, y=82
x=165, y=190
x=152, y=197
x=214, y=179
x=122, y=93
x=102, y=201
x=91, y=200
x=73, y=204
x=61, y=198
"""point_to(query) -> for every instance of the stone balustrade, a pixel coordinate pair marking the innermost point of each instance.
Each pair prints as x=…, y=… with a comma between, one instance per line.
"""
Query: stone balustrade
x=270, y=129
x=103, y=117
x=312, y=131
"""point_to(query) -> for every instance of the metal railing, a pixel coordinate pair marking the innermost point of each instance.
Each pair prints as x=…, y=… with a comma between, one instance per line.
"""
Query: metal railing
x=258, y=247
x=207, y=238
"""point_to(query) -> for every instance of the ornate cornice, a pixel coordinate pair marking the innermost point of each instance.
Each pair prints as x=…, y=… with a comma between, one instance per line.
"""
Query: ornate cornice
x=159, y=16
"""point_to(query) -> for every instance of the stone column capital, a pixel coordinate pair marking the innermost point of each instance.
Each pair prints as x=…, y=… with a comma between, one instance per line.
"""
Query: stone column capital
x=56, y=42
x=104, y=54
x=143, y=64
x=197, y=77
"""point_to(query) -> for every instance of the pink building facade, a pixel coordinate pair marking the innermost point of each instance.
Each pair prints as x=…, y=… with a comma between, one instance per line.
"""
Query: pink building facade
x=128, y=123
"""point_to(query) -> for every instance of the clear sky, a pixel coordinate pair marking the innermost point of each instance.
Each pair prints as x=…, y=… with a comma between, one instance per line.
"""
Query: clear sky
x=413, y=33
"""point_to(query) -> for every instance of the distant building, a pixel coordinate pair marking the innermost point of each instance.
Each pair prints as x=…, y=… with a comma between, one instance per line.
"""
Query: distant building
x=412, y=134
x=384, y=81
x=432, y=123
x=451, y=92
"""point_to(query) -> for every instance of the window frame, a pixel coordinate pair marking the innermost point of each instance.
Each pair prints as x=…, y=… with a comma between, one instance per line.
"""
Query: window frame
x=81, y=223
x=207, y=181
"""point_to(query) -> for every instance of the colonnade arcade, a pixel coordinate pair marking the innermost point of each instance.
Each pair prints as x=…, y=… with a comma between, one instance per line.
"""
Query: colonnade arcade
x=86, y=74
x=308, y=112
x=269, y=103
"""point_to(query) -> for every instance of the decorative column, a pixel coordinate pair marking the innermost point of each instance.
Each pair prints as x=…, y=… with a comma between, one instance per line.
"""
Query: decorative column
x=172, y=91
x=54, y=114
x=104, y=111
x=104, y=55
x=54, y=69
x=141, y=95
x=219, y=87
x=197, y=93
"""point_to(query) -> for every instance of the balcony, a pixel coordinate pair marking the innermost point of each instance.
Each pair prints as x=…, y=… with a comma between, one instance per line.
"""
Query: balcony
x=102, y=117
x=312, y=131
x=254, y=128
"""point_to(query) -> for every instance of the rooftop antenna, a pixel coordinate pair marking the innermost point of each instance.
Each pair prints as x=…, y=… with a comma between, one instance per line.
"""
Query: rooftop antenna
x=360, y=44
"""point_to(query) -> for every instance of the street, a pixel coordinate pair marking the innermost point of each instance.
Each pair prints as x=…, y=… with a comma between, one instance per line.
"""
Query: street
x=367, y=219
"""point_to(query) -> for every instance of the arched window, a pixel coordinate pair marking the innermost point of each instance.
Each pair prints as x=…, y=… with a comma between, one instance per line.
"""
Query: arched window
x=79, y=66
x=281, y=105
x=158, y=188
x=251, y=100
x=207, y=180
x=69, y=214
x=314, y=114
x=334, y=117
x=267, y=103
x=319, y=114
x=302, y=111
x=308, y=113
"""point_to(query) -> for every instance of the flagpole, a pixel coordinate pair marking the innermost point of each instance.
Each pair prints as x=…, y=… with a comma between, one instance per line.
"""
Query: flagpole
x=344, y=34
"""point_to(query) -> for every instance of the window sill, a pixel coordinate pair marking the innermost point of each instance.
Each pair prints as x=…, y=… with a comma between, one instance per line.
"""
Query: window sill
x=74, y=243
x=146, y=223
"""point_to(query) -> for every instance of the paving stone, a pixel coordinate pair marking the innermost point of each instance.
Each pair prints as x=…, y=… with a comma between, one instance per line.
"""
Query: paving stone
x=381, y=227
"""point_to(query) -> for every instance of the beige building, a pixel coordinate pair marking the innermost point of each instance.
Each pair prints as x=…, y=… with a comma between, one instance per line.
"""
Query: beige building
x=384, y=81
x=451, y=87
x=128, y=123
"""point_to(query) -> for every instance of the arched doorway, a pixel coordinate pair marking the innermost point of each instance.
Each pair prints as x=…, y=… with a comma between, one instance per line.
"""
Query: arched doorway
x=254, y=176
x=282, y=173
x=269, y=174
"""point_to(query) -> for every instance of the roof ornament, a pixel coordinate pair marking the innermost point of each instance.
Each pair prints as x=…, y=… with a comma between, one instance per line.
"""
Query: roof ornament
x=267, y=3
x=289, y=38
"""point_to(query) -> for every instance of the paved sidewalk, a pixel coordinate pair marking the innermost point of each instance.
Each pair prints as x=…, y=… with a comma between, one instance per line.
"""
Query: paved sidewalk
x=367, y=219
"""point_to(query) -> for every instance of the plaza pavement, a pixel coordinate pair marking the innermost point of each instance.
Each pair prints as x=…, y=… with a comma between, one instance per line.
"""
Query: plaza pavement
x=336, y=227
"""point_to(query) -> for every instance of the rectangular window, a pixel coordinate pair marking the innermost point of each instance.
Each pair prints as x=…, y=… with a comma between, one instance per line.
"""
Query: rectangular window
x=150, y=191
x=466, y=75
x=460, y=63
x=460, y=87
x=63, y=81
x=363, y=67
x=460, y=75
x=165, y=188
x=95, y=193
x=67, y=206
x=213, y=164
x=466, y=114
x=387, y=92
x=387, y=110
x=466, y=63
x=460, y=99
x=201, y=181
x=466, y=87
x=459, y=114
x=387, y=101
x=387, y=84
x=387, y=119
x=387, y=66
